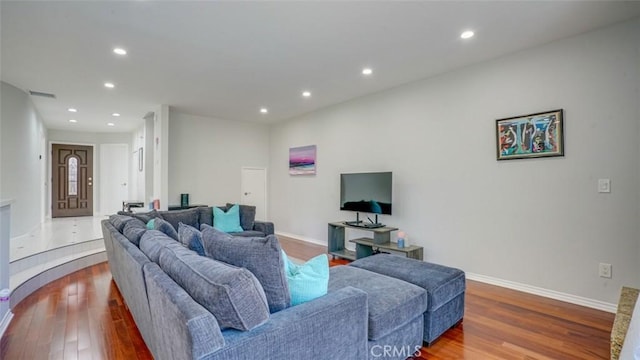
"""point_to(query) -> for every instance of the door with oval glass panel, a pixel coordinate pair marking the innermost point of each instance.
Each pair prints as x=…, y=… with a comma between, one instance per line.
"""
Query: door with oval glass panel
x=72, y=180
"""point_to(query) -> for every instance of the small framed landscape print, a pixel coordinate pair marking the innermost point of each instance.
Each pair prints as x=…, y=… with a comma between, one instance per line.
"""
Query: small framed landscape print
x=302, y=160
x=529, y=136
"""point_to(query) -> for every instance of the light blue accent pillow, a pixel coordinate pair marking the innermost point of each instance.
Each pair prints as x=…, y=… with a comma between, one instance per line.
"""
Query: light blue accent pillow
x=150, y=224
x=227, y=221
x=307, y=281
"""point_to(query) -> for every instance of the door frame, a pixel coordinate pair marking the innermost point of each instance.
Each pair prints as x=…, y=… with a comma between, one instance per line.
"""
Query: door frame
x=50, y=174
x=266, y=187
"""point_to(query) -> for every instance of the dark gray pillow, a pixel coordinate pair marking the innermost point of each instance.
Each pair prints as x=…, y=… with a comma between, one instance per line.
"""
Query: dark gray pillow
x=247, y=216
x=133, y=230
x=152, y=241
x=205, y=215
x=164, y=226
x=191, y=238
x=119, y=221
x=233, y=295
x=188, y=217
x=146, y=216
x=261, y=256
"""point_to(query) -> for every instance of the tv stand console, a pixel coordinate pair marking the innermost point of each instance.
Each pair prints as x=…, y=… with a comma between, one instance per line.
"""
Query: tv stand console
x=381, y=242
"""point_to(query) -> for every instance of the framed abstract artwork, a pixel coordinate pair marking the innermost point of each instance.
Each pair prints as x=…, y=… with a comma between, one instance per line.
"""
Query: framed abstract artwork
x=530, y=136
x=302, y=160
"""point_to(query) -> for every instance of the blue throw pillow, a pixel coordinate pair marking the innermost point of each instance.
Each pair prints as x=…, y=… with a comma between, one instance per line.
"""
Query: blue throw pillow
x=261, y=256
x=164, y=226
x=191, y=238
x=227, y=221
x=307, y=281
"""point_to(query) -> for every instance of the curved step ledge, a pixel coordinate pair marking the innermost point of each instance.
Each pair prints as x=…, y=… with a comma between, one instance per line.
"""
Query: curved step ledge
x=27, y=287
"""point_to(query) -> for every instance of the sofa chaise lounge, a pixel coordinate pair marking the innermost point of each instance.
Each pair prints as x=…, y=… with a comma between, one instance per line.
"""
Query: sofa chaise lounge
x=364, y=315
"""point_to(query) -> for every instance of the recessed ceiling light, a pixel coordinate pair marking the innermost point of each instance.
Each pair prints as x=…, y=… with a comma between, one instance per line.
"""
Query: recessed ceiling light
x=306, y=93
x=467, y=34
x=367, y=71
x=115, y=114
x=72, y=110
x=264, y=110
x=120, y=51
x=73, y=120
x=109, y=85
x=111, y=124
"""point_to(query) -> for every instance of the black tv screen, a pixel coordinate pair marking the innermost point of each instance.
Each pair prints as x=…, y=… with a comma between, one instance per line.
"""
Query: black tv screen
x=366, y=192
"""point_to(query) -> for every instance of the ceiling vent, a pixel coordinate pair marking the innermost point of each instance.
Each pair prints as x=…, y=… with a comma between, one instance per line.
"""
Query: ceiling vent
x=41, y=94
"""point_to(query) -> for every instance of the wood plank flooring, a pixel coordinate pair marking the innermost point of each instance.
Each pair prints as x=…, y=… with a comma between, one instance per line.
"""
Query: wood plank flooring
x=82, y=316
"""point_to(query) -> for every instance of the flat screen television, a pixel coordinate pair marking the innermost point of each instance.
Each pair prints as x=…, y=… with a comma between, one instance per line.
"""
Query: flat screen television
x=366, y=192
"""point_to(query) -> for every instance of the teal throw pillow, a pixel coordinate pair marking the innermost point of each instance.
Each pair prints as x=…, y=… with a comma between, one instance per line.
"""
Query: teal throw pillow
x=150, y=224
x=227, y=221
x=307, y=281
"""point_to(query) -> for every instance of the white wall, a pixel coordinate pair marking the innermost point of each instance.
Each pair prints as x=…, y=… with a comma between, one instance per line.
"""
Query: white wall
x=21, y=179
x=161, y=156
x=207, y=155
x=539, y=222
x=137, y=176
x=89, y=138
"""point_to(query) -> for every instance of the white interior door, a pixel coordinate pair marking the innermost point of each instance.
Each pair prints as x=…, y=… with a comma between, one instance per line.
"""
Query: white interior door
x=254, y=190
x=114, y=177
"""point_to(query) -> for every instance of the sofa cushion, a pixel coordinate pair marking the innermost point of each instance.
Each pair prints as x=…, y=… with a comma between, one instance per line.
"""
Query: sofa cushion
x=442, y=283
x=306, y=281
x=188, y=217
x=228, y=221
x=119, y=221
x=164, y=226
x=247, y=215
x=233, y=295
x=261, y=256
x=152, y=241
x=392, y=302
x=133, y=230
x=191, y=238
x=205, y=215
x=146, y=216
x=249, y=233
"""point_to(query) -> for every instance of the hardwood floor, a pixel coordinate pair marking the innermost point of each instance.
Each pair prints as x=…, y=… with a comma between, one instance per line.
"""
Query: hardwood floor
x=82, y=316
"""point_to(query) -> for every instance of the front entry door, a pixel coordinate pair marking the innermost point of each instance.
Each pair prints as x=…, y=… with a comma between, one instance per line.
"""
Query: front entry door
x=72, y=183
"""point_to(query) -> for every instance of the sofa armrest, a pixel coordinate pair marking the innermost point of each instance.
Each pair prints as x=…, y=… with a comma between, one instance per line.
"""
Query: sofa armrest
x=264, y=226
x=333, y=326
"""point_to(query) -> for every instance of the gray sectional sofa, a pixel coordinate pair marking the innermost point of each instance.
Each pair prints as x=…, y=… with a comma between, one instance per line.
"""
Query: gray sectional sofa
x=188, y=306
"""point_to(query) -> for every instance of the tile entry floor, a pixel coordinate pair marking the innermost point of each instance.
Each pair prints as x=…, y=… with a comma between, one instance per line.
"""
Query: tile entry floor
x=55, y=233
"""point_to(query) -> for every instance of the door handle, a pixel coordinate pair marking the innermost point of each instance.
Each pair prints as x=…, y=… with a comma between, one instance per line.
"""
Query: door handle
x=247, y=193
x=90, y=184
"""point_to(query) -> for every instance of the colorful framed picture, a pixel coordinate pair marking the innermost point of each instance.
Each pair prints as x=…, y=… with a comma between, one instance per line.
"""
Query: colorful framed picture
x=530, y=136
x=302, y=160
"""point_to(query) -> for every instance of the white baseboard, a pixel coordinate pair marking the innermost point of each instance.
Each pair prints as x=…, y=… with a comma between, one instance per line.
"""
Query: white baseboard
x=552, y=294
x=5, y=322
x=303, y=238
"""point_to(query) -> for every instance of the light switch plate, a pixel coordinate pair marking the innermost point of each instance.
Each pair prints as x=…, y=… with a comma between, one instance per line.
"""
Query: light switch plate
x=604, y=185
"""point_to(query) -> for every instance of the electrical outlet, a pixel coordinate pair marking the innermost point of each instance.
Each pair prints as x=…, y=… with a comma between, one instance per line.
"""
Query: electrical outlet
x=605, y=270
x=604, y=185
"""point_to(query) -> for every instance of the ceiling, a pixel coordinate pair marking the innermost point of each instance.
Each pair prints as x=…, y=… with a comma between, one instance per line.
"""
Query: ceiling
x=228, y=59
